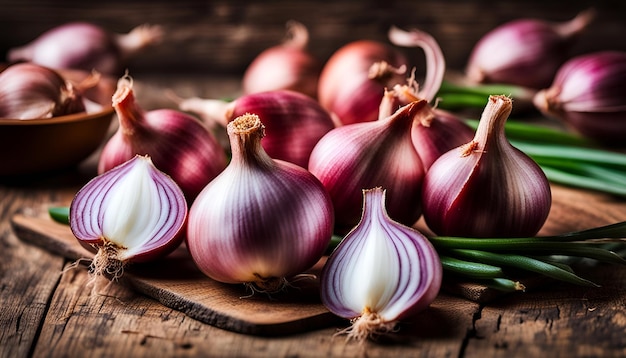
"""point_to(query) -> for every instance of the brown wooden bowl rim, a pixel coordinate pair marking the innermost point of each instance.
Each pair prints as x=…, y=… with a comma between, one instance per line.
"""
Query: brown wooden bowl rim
x=75, y=117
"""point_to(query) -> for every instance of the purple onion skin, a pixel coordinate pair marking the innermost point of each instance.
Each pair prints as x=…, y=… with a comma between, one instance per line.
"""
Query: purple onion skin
x=294, y=123
x=178, y=143
x=476, y=208
x=446, y=131
x=369, y=154
x=192, y=171
x=487, y=187
x=344, y=88
x=260, y=218
x=588, y=94
x=31, y=91
x=525, y=52
x=76, y=45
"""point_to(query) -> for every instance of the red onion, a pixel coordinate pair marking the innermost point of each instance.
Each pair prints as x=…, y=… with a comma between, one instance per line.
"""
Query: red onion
x=524, y=52
x=588, y=94
x=364, y=155
x=286, y=66
x=85, y=46
x=294, y=122
x=179, y=144
x=131, y=213
x=31, y=91
x=261, y=221
x=353, y=79
x=486, y=188
x=381, y=273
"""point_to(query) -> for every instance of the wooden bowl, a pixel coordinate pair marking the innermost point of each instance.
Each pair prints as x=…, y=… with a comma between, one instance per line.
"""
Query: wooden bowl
x=42, y=145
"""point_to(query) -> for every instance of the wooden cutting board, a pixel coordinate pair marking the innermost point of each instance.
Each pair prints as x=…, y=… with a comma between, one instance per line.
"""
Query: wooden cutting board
x=178, y=284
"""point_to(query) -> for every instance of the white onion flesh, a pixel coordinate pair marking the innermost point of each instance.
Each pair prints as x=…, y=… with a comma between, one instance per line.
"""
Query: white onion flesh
x=381, y=267
x=133, y=206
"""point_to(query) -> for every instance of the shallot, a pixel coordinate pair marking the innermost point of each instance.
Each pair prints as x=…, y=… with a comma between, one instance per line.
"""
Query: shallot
x=588, y=95
x=353, y=79
x=286, y=66
x=31, y=91
x=261, y=221
x=364, y=155
x=178, y=143
x=293, y=122
x=487, y=187
x=87, y=46
x=525, y=52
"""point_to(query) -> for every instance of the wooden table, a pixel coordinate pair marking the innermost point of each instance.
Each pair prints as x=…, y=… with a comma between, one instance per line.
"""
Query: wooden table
x=47, y=309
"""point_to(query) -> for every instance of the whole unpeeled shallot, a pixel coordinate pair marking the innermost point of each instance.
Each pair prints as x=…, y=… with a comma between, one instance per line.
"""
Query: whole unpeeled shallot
x=261, y=221
x=178, y=143
x=524, y=52
x=286, y=66
x=369, y=154
x=86, y=46
x=31, y=91
x=588, y=95
x=487, y=187
x=353, y=79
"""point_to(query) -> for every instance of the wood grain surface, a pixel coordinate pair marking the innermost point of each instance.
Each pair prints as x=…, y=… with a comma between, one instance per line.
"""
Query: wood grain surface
x=176, y=282
x=222, y=37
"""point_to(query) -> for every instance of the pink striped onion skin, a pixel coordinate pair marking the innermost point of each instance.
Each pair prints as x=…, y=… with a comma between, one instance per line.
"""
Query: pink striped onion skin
x=261, y=221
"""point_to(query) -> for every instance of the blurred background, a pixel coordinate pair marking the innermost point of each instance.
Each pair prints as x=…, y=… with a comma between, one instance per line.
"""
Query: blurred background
x=222, y=37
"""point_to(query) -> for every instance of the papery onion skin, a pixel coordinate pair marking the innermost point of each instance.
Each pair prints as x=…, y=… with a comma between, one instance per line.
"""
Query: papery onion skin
x=86, y=46
x=92, y=208
x=346, y=88
x=486, y=188
x=524, y=52
x=588, y=95
x=287, y=66
x=364, y=155
x=293, y=122
x=380, y=267
x=261, y=220
x=178, y=143
x=31, y=91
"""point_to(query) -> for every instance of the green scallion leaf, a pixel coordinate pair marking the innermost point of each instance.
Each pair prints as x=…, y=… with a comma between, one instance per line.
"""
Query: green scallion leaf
x=60, y=214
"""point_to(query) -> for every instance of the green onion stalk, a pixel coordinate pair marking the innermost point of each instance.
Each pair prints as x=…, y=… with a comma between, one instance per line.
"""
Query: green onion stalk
x=497, y=262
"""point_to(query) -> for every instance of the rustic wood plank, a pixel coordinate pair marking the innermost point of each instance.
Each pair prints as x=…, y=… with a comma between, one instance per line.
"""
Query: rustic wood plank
x=28, y=277
x=224, y=36
x=117, y=322
x=573, y=321
x=177, y=283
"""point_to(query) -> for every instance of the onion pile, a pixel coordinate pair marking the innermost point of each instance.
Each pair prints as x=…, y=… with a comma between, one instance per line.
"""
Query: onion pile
x=366, y=160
